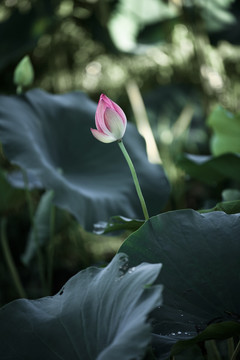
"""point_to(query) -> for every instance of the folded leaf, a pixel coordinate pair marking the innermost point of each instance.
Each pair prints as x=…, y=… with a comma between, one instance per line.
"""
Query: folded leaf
x=99, y=314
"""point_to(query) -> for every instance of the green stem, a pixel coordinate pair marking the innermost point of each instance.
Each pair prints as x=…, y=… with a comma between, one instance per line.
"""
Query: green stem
x=214, y=353
x=35, y=232
x=230, y=345
x=51, y=248
x=19, y=90
x=135, y=179
x=236, y=352
x=10, y=262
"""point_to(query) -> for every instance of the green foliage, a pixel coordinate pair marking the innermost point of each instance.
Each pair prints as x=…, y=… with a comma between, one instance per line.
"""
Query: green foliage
x=229, y=207
x=218, y=331
x=226, y=131
x=155, y=17
x=132, y=16
x=215, y=13
x=117, y=223
x=210, y=169
x=49, y=135
x=40, y=232
x=195, y=251
x=11, y=198
x=231, y=195
x=98, y=314
x=28, y=24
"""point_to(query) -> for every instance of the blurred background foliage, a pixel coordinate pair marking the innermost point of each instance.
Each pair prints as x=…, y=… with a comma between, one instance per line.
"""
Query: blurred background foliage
x=166, y=62
x=101, y=45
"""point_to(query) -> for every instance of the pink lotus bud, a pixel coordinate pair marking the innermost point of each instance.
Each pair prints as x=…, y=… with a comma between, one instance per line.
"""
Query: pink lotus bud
x=110, y=121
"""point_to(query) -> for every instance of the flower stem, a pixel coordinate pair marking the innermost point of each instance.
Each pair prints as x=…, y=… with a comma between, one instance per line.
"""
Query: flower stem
x=9, y=260
x=19, y=90
x=51, y=248
x=236, y=352
x=230, y=345
x=135, y=179
x=213, y=350
x=35, y=233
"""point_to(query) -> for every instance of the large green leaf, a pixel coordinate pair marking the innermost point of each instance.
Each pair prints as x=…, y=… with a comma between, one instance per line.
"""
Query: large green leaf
x=210, y=169
x=99, y=314
x=201, y=271
x=49, y=135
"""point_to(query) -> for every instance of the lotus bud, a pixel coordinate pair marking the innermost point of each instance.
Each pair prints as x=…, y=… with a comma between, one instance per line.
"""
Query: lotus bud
x=24, y=73
x=110, y=121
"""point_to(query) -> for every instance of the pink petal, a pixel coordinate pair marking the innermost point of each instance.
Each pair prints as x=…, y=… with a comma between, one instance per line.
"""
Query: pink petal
x=112, y=105
x=102, y=137
x=114, y=123
x=99, y=117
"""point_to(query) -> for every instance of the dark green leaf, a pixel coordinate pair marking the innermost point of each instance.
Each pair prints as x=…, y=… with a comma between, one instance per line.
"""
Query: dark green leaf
x=221, y=331
x=99, y=314
x=201, y=271
x=117, y=223
x=210, y=169
x=229, y=207
x=49, y=135
x=39, y=236
x=47, y=219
